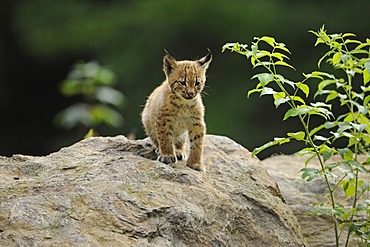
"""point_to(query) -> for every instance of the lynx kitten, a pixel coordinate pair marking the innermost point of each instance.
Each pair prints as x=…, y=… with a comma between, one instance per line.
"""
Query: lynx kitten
x=175, y=110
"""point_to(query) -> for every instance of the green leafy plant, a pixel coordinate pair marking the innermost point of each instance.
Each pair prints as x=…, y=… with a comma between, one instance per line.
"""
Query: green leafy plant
x=323, y=141
x=94, y=84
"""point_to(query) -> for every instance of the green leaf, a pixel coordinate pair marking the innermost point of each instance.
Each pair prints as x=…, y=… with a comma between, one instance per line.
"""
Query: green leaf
x=276, y=141
x=310, y=174
x=320, y=138
x=301, y=110
x=297, y=98
x=336, y=58
x=366, y=76
x=299, y=136
x=279, y=98
x=332, y=95
x=268, y=40
x=267, y=90
x=256, y=90
x=348, y=35
x=261, y=54
x=283, y=47
x=327, y=155
x=365, y=186
x=346, y=154
x=359, y=127
x=349, y=187
x=321, y=104
x=326, y=83
x=366, y=100
x=320, y=75
x=90, y=133
x=279, y=56
x=284, y=64
x=280, y=101
x=329, y=125
x=304, y=88
x=352, y=41
x=279, y=95
x=315, y=130
x=263, y=78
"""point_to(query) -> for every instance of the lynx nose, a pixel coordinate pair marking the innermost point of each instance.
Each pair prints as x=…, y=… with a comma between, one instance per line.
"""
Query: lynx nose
x=191, y=94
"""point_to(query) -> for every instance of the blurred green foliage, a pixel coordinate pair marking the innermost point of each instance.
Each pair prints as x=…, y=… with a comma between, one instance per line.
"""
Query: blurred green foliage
x=95, y=84
x=130, y=36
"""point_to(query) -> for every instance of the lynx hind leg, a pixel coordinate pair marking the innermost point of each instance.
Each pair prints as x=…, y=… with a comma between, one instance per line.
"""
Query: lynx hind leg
x=180, y=147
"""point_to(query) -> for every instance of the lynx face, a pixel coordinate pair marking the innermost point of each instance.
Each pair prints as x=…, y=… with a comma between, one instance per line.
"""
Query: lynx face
x=186, y=78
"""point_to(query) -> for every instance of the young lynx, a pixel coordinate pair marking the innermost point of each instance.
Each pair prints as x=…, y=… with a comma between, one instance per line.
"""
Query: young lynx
x=175, y=110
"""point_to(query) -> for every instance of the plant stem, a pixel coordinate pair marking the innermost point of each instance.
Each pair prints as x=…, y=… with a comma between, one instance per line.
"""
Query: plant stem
x=317, y=153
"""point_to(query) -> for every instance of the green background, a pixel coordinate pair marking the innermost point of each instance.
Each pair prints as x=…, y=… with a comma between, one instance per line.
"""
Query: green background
x=41, y=40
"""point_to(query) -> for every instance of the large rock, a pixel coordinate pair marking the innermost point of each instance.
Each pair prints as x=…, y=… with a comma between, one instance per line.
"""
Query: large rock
x=108, y=191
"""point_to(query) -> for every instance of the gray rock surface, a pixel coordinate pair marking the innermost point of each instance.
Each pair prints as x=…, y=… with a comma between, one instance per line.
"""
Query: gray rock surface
x=108, y=191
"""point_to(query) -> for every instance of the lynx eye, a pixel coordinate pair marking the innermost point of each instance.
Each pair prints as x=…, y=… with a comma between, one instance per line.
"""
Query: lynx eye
x=197, y=84
x=182, y=83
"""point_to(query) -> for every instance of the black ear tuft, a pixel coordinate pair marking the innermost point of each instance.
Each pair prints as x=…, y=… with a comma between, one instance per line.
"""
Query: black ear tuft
x=204, y=61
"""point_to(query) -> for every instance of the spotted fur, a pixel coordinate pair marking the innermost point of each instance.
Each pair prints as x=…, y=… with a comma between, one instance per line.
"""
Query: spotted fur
x=175, y=110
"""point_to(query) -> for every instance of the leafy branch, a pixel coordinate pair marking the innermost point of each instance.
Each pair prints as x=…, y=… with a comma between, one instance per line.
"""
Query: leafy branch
x=352, y=57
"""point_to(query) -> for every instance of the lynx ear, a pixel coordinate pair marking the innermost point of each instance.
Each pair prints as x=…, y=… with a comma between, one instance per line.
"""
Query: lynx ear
x=169, y=64
x=204, y=61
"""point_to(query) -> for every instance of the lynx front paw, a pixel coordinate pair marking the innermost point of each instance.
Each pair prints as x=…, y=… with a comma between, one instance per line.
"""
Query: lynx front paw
x=181, y=155
x=197, y=167
x=167, y=159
